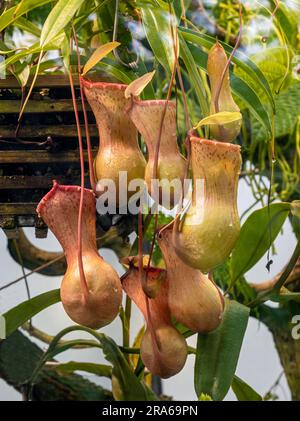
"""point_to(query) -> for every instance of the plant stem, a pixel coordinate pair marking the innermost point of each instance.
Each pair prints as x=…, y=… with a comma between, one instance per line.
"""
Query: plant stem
x=86, y=122
x=79, y=226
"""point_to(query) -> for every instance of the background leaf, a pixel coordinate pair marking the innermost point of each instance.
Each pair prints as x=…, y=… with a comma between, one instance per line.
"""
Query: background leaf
x=288, y=110
x=58, y=19
x=243, y=391
x=195, y=78
x=98, y=55
x=126, y=386
x=156, y=23
x=240, y=59
x=8, y=16
x=101, y=370
x=256, y=236
x=239, y=87
x=218, y=352
x=18, y=315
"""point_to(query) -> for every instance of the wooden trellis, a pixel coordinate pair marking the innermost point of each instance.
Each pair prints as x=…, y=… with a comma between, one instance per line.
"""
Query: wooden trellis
x=44, y=148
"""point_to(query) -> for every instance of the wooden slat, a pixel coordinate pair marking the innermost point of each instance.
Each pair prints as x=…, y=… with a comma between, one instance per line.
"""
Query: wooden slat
x=53, y=80
x=41, y=157
x=41, y=229
x=35, y=182
x=8, y=132
x=43, y=81
x=43, y=106
x=18, y=208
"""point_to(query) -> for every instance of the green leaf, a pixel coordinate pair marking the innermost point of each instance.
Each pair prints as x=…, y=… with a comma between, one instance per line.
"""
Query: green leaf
x=286, y=295
x=239, y=87
x=23, y=76
x=218, y=352
x=243, y=391
x=58, y=19
x=205, y=398
x=288, y=110
x=222, y=117
x=295, y=221
x=286, y=20
x=178, y=6
x=257, y=235
x=101, y=370
x=18, y=315
x=34, y=49
x=240, y=59
x=66, y=345
x=8, y=17
x=116, y=70
x=28, y=26
x=195, y=78
x=126, y=386
x=273, y=63
x=156, y=23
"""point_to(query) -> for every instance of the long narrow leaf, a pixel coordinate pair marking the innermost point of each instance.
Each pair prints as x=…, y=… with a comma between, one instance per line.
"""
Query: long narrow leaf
x=218, y=352
x=10, y=15
x=58, y=18
x=239, y=58
x=156, y=23
x=18, y=315
x=28, y=26
x=243, y=391
x=257, y=235
x=34, y=49
x=195, y=78
x=239, y=87
x=101, y=370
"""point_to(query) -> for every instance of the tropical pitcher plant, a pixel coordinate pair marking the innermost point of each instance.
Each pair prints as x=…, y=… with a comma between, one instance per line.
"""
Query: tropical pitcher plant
x=172, y=148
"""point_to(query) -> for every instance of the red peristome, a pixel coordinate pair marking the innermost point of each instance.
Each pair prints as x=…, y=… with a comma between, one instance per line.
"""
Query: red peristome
x=52, y=192
x=213, y=143
x=60, y=210
x=114, y=86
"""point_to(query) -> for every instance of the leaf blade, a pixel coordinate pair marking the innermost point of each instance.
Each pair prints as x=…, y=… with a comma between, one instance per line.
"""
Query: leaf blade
x=239, y=87
x=101, y=370
x=58, y=18
x=257, y=233
x=223, y=117
x=18, y=315
x=239, y=58
x=218, y=352
x=99, y=54
x=243, y=391
x=10, y=15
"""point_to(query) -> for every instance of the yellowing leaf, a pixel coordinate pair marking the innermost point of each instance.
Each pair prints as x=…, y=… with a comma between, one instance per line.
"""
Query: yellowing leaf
x=296, y=208
x=98, y=55
x=138, y=85
x=223, y=117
